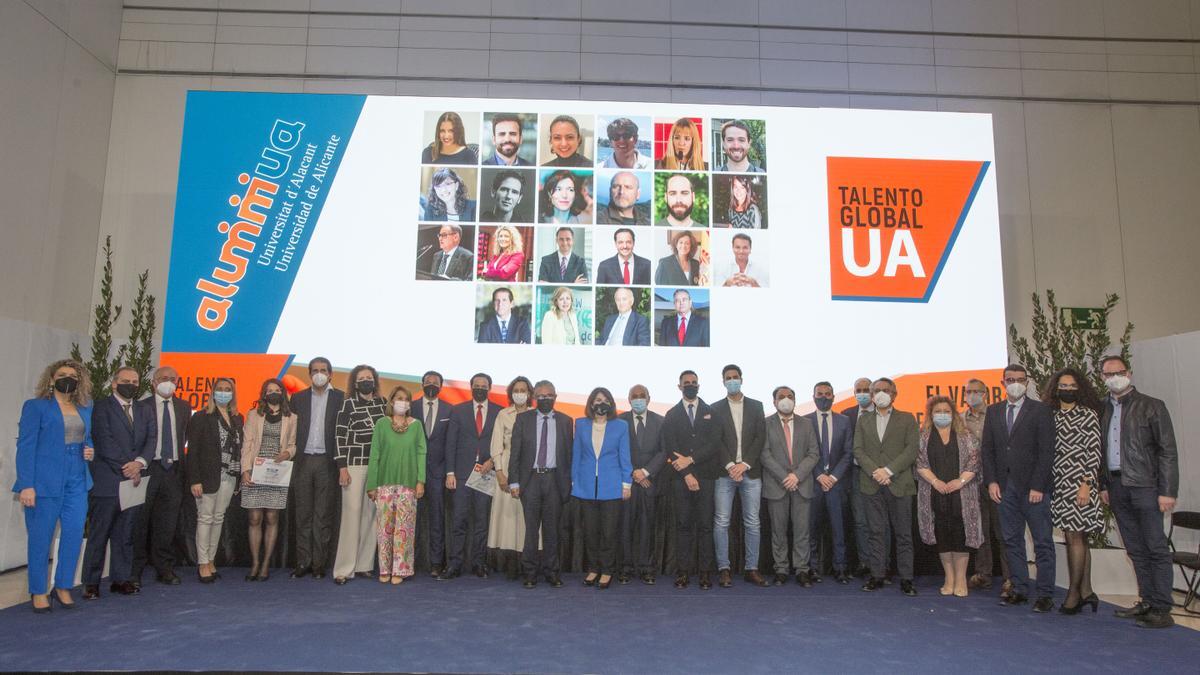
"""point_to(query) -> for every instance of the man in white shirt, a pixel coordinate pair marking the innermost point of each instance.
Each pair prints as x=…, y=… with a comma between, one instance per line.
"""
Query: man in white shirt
x=743, y=437
x=623, y=135
x=741, y=271
x=315, y=474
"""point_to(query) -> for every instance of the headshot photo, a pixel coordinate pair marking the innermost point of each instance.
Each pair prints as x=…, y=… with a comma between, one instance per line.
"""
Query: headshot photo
x=441, y=255
x=623, y=315
x=509, y=139
x=624, y=197
x=681, y=315
x=503, y=314
x=625, y=267
x=564, y=315
x=500, y=253
x=624, y=142
x=740, y=259
x=453, y=138
x=448, y=194
x=739, y=201
x=567, y=140
x=508, y=195
x=683, y=258
x=565, y=255
x=565, y=197
x=739, y=146
x=681, y=199
x=679, y=144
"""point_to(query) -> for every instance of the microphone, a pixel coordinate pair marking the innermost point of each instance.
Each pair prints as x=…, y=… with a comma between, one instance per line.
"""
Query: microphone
x=425, y=249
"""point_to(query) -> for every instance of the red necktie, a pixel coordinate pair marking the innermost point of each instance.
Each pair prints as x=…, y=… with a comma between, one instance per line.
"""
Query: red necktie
x=626, y=277
x=682, y=328
x=479, y=419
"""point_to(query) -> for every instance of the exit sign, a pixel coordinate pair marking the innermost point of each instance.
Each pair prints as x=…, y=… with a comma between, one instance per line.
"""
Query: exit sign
x=1083, y=318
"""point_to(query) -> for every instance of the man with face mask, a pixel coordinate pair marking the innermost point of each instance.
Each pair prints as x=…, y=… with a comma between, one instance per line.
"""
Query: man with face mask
x=540, y=467
x=637, y=513
x=315, y=473
x=789, y=459
x=1139, y=480
x=1018, y=464
x=739, y=449
x=858, y=503
x=835, y=440
x=975, y=393
x=434, y=413
x=469, y=449
x=690, y=441
x=885, y=445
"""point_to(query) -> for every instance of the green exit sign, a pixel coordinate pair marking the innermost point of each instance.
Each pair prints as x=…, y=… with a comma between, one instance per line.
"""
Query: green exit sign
x=1083, y=318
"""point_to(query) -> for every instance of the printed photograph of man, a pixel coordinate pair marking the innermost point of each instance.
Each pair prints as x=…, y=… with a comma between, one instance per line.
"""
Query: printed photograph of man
x=679, y=144
x=740, y=201
x=447, y=194
x=564, y=264
x=737, y=264
x=624, y=315
x=455, y=138
x=626, y=267
x=566, y=197
x=742, y=145
x=681, y=199
x=440, y=254
x=568, y=137
x=626, y=203
x=564, y=315
x=622, y=147
x=508, y=195
x=513, y=139
x=502, y=314
x=682, y=316
x=683, y=259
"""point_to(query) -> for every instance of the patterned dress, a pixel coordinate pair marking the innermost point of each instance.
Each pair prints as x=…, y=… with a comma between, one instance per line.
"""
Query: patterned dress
x=267, y=496
x=1076, y=461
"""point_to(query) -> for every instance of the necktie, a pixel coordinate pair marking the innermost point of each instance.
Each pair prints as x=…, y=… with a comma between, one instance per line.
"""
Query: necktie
x=562, y=268
x=825, y=439
x=787, y=440
x=478, y=419
x=638, y=429
x=504, y=331
x=692, y=413
x=1012, y=409
x=429, y=419
x=445, y=264
x=168, y=443
x=128, y=412
x=543, y=442
x=626, y=274
x=682, y=328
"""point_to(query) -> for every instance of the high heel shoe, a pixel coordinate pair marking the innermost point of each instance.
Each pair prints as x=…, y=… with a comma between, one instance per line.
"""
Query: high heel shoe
x=65, y=605
x=590, y=580
x=41, y=610
x=1091, y=600
x=1070, y=611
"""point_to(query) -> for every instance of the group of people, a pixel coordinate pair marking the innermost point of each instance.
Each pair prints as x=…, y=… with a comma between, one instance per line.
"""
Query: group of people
x=507, y=473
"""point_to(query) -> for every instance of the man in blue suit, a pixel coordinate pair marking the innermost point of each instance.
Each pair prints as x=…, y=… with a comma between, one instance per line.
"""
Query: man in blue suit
x=625, y=267
x=835, y=440
x=626, y=327
x=504, y=327
x=123, y=434
x=1018, y=464
x=683, y=327
x=434, y=414
x=468, y=449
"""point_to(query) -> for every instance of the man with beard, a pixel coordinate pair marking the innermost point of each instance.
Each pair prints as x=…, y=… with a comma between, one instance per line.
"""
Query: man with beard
x=508, y=187
x=623, y=208
x=680, y=199
x=735, y=143
x=506, y=138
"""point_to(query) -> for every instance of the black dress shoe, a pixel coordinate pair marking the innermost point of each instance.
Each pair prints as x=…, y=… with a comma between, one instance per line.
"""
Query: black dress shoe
x=124, y=588
x=649, y=579
x=725, y=579
x=254, y=577
x=705, y=581
x=91, y=591
x=906, y=587
x=318, y=573
x=1014, y=599
x=447, y=575
x=1043, y=605
x=530, y=582
x=300, y=572
x=814, y=577
x=365, y=575
x=841, y=577
x=887, y=581
x=804, y=579
x=436, y=572
x=555, y=581
x=137, y=585
x=1137, y=611
x=872, y=585
x=623, y=578
x=169, y=579
x=681, y=581
x=212, y=578
x=780, y=579
x=1156, y=620
x=480, y=571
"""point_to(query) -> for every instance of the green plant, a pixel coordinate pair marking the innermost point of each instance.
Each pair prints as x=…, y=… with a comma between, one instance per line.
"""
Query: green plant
x=100, y=367
x=139, y=348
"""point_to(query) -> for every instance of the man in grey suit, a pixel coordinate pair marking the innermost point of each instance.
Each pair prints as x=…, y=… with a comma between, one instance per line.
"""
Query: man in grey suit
x=787, y=460
x=885, y=445
x=637, y=512
x=452, y=261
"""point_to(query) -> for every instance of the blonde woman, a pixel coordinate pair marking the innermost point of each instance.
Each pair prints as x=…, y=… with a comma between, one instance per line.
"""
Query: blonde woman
x=214, y=463
x=54, y=444
x=684, y=150
x=395, y=481
x=560, y=325
x=506, y=256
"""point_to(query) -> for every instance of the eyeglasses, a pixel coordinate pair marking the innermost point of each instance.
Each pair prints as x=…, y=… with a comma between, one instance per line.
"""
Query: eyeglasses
x=622, y=137
x=1114, y=373
x=443, y=235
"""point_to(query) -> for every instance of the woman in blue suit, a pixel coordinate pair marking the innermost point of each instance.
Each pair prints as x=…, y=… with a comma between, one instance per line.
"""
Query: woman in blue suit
x=54, y=442
x=601, y=475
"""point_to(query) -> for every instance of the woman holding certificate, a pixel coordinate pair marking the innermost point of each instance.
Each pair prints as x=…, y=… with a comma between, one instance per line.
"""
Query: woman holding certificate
x=395, y=481
x=270, y=433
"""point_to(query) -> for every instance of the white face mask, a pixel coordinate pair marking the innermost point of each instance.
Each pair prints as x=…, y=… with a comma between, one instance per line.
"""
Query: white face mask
x=400, y=407
x=165, y=389
x=520, y=398
x=1117, y=383
x=320, y=379
x=1015, y=390
x=882, y=399
x=785, y=406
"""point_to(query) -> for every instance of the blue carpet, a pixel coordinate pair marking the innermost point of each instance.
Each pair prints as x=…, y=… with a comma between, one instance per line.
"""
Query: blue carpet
x=473, y=625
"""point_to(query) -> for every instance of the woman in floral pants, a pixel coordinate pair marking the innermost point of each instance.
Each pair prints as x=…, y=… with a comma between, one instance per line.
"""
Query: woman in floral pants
x=395, y=481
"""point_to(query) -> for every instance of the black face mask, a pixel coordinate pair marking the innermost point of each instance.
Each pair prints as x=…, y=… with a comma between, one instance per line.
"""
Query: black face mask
x=479, y=394
x=127, y=391
x=274, y=398
x=823, y=404
x=431, y=390
x=691, y=391
x=1068, y=395
x=545, y=405
x=365, y=387
x=66, y=385
x=601, y=409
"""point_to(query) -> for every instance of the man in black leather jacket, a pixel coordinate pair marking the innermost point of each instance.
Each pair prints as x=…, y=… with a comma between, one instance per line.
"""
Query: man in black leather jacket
x=1139, y=479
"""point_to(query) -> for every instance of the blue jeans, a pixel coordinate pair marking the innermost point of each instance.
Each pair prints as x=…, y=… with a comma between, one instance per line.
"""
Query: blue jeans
x=751, y=492
x=1015, y=513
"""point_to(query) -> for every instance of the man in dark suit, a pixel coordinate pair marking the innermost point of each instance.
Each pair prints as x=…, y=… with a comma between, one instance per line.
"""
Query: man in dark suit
x=835, y=438
x=452, y=260
x=314, y=486
x=121, y=435
x=504, y=327
x=683, y=328
x=857, y=501
x=563, y=266
x=624, y=268
x=690, y=439
x=468, y=449
x=154, y=531
x=743, y=435
x=626, y=327
x=1018, y=464
x=506, y=140
x=885, y=445
x=434, y=414
x=541, y=479
x=637, y=513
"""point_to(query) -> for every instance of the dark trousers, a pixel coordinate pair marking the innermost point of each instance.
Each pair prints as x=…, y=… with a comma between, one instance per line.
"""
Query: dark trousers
x=694, y=512
x=600, y=520
x=992, y=535
x=154, y=529
x=1141, y=526
x=435, y=508
x=542, y=505
x=1015, y=513
x=884, y=511
x=862, y=527
x=472, y=509
x=108, y=525
x=314, y=489
x=637, y=531
x=826, y=507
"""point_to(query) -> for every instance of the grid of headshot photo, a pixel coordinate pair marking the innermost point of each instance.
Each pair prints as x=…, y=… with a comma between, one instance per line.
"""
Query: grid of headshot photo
x=596, y=230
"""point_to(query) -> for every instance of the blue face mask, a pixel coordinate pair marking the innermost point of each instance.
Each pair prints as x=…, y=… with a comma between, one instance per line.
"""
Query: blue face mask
x=222, y=397
x=639, y=405
x=863, y=398
x=733, y=386
x=942, y=420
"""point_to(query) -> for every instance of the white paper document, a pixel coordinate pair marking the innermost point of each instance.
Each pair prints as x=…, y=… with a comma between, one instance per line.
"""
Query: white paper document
x=130, y=495
x=269, y=472
x=484, y=482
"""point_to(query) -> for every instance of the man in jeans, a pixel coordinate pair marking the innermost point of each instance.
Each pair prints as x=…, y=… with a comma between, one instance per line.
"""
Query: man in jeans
x=743, y=433
x=1139, y=480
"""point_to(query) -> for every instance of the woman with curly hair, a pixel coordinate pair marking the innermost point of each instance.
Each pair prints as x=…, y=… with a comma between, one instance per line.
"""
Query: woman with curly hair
x=447, y=198
x=506, y=257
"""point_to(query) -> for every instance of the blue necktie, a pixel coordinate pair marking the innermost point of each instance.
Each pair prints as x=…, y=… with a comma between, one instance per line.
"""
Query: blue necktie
x=504, y=331
x=692, y=413
x=168, y=443
x=825, y=440
x=1012, y=409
